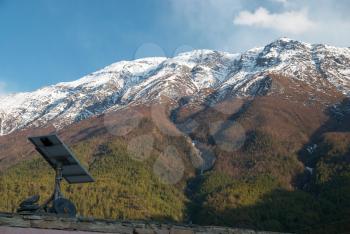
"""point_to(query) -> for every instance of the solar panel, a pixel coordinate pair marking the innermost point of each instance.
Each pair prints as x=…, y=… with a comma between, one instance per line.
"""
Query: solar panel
x=57, y=154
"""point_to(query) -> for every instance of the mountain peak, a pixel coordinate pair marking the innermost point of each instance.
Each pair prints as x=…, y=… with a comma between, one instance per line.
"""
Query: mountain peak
x=288, y=43
x=285, y=39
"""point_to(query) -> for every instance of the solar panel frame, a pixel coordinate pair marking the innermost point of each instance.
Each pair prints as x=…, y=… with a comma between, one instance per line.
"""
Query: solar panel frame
x=56, y=153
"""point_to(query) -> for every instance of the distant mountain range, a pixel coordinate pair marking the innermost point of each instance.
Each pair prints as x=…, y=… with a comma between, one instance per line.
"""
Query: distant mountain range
x=200, y=76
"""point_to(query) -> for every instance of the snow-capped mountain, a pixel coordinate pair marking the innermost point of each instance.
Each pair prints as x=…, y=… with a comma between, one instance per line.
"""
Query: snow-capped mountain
x=188, y=74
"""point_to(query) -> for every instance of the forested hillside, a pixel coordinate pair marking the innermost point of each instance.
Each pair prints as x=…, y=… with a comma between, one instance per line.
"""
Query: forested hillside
x=124, y=188
x=264, y=199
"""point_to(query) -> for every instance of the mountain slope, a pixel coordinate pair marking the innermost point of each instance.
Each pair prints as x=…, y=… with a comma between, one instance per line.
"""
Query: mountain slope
x=197, y=74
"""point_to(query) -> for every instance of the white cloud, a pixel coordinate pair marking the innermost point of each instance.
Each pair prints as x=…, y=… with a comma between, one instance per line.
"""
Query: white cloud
x=209, y=23
x=295, y=22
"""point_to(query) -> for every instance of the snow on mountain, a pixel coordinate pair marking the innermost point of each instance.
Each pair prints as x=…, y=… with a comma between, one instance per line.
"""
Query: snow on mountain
x=146, y=80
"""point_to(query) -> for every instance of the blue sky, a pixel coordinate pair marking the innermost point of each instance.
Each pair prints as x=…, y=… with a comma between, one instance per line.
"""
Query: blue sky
x=44, y=42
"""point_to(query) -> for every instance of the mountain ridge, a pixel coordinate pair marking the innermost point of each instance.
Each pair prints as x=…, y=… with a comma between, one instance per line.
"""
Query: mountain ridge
x=187, y=75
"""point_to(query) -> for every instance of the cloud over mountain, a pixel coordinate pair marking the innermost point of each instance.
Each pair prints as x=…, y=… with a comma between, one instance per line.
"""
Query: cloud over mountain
x=294, y=22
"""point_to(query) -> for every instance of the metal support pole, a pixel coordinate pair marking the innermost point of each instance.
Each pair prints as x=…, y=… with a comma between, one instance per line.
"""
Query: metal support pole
x=58, y=179
x=57, y=189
